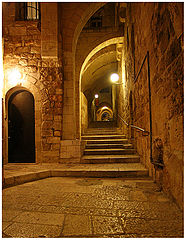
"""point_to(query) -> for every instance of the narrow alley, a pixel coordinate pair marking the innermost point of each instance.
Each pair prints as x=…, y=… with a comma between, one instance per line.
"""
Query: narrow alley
x=92, y=119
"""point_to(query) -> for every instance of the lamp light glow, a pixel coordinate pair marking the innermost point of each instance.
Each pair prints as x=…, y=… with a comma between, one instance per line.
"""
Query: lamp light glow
x=15, y=77
x=96, y=96
x=103, y=108
x=114, y=77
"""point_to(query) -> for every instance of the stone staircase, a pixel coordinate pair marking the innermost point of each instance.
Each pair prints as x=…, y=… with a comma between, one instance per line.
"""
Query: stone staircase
x=108, y=146
x=107, y=154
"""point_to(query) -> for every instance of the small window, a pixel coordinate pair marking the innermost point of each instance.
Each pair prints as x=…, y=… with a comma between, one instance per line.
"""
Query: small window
x=27, y=11
x=96, y=22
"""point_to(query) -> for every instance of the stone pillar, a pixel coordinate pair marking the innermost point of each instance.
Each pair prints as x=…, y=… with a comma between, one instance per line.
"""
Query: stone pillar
x=51, y=78
x=70, y=146
x=49, y=30
x=69, y=117
x=70, y=151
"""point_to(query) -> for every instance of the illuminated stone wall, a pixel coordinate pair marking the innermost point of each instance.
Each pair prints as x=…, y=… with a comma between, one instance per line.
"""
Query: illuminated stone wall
x=84, y=113
x=158, y=28
x=23, y=42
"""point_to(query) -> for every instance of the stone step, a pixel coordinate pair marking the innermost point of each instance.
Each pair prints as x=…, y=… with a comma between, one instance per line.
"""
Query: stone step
x=110, y=159
x=116, y=170
x=28, y=173
x=102, y=130
x=103, y=124
x=117, y=151
x=105, y=146
x=97, y=137
x=100, y=133
x=107, y=141
x=108, y=146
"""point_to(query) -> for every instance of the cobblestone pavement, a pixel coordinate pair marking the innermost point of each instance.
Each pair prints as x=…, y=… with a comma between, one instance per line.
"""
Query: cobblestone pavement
x=94, y=207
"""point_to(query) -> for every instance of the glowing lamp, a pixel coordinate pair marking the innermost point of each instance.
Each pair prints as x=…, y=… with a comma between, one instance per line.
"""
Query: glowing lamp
x=114, y=77
x=104, y=108
x=15, y=77
x=96, y=96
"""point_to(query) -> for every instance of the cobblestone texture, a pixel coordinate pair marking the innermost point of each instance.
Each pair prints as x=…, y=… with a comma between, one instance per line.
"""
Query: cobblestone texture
x=99, y=208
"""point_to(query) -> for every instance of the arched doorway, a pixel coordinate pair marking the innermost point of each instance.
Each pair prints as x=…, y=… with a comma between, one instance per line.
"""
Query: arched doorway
x=21, y=127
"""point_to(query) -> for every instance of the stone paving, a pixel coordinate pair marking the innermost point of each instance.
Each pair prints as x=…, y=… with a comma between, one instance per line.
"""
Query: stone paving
x=89, y=207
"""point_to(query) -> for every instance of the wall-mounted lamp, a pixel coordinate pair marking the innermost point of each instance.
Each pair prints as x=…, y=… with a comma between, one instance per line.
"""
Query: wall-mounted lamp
x=114, y=79
x=15, y=77
x=96, y=96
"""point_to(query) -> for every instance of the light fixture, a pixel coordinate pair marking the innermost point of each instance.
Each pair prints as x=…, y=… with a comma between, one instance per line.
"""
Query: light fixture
x=15, y=77
x=114, y=78
x=104, y=108
x=96, y=96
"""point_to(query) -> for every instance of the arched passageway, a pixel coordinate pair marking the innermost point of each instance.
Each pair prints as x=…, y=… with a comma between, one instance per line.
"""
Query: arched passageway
x=21, y=127
x=95, y=80
x=104, y=113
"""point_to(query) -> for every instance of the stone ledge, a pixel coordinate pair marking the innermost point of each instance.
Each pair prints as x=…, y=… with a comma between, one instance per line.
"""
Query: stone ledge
x=74, y=172
x=24, y=178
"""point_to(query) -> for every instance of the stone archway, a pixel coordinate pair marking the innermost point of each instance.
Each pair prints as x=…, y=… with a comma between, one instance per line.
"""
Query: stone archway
x=72, y=23
x=104, y=113
x=74, y=17
x=103, y=52
x=21, y=127
x=37, y=120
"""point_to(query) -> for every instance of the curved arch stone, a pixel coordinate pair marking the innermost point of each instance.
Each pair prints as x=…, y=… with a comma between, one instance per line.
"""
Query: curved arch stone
x=98, y=48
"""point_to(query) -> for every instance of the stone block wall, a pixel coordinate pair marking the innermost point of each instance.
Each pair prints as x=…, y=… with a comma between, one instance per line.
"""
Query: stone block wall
x=84, y=113
x=42, y=77
x=158, y=28
x=126, y=73
x=70, y=151
x=52, y=99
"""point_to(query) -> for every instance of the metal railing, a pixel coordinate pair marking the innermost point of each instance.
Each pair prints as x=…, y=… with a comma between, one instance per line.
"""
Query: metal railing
x=133, y=126
x=150, y=110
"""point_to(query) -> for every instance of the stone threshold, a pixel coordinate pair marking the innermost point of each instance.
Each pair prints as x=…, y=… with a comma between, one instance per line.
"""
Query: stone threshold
x=20, y=173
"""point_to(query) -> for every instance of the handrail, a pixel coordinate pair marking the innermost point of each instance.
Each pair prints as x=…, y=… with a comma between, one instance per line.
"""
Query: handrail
x=141, y=129
x=123, y=120
x=133, y=126
x=149, y=88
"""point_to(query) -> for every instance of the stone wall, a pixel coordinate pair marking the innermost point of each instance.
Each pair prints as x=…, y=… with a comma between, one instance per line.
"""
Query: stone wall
x=158, y=28
x=52, y=96
x=42, y=77
x=84, y=113
x=124, y=91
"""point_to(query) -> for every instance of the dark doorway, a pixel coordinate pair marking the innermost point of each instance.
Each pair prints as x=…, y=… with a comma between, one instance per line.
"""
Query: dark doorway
x=21, y=128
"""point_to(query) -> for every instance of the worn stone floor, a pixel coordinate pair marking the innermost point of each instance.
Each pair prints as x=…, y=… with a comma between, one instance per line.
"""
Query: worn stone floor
x=89, y=207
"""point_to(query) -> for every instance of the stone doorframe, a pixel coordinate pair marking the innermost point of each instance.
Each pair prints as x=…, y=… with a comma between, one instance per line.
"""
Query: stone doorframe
x=37, y=107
